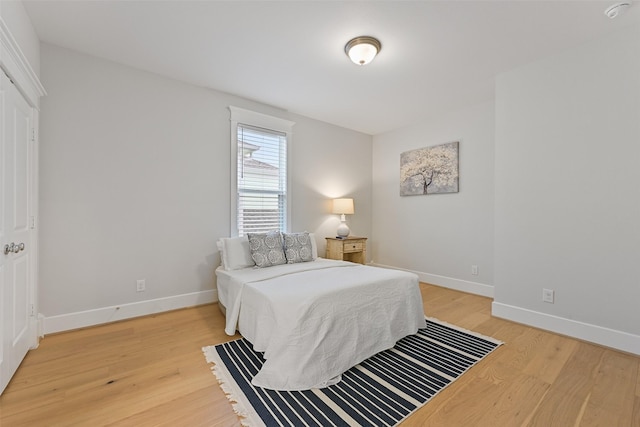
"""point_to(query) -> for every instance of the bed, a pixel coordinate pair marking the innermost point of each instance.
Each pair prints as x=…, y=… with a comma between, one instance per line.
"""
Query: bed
x=315, y=319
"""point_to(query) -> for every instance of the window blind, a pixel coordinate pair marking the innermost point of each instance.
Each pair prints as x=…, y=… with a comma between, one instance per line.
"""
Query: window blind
x=262, y=180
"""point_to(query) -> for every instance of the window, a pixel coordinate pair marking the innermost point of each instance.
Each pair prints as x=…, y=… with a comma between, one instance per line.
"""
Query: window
x=262, y=180
x=259, y=179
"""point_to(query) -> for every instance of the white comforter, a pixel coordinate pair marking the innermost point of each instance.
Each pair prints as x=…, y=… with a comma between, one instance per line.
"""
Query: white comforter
x=315, y=320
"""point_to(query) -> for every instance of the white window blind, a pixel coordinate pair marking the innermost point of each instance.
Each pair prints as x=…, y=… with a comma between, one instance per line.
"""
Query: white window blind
x=262, y=180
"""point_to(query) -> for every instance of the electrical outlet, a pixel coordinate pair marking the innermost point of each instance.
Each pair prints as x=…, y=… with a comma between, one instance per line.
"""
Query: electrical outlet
x=474, y=270
x=140, y=285
x=548, y=295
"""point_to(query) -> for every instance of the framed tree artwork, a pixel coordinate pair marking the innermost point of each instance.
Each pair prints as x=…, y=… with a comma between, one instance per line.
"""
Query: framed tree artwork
x=430, y=170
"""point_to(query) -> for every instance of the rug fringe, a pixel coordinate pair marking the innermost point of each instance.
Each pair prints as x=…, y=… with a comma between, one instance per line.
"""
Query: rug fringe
x=238, y=408
x=227, y=385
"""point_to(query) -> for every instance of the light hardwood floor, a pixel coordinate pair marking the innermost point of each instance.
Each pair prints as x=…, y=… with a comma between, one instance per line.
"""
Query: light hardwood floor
x=151, y=372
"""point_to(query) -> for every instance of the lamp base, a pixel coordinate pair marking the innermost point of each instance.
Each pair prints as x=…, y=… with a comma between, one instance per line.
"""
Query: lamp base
x=343, y=230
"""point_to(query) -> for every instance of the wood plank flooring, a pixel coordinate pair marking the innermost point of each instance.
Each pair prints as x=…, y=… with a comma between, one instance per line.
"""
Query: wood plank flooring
x=150, y=371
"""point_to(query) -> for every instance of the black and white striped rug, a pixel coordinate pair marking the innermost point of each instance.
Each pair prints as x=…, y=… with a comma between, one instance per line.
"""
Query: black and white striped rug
x=381, y=391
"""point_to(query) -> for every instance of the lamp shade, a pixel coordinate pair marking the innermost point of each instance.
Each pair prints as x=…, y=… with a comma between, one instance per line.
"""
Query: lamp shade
x=343, y=206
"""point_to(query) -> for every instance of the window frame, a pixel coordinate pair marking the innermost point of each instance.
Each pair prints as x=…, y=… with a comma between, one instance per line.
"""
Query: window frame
x=259, y=120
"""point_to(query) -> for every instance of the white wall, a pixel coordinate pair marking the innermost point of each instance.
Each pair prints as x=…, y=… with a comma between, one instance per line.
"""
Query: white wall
x=15, y=17
x=439, y=236
x=567, y=206
x=332, y=162
x=135, y=184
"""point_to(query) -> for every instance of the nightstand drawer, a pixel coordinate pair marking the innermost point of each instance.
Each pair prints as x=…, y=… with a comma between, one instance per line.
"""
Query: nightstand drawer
x=352, y=247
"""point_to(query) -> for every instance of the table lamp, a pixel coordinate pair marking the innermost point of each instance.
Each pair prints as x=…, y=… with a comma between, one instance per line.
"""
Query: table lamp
x=343, y=207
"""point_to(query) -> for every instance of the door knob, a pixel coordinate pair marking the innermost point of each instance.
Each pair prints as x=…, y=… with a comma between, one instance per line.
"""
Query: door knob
x=13, y=247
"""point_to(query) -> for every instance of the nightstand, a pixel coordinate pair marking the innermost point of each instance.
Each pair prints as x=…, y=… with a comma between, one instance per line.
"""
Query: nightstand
x=350, y=248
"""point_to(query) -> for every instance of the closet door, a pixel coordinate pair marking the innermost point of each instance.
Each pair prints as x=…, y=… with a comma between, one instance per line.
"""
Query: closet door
x=15, y=232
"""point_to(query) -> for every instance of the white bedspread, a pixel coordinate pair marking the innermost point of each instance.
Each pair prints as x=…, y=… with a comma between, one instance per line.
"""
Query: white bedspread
x=315, y=320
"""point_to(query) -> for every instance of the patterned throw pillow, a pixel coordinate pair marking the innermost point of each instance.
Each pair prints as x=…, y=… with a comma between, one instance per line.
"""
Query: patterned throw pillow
x=297, y=247
x=266, y=248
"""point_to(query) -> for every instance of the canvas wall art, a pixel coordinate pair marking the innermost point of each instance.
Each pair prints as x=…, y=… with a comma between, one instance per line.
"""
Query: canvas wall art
x=429, y=170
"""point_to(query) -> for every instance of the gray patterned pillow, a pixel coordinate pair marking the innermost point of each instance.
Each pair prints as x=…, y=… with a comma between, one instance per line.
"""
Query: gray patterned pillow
x=297, y=247
x=266, y=248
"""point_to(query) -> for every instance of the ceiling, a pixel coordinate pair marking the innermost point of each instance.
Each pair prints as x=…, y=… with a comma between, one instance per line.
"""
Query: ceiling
x=436, y=56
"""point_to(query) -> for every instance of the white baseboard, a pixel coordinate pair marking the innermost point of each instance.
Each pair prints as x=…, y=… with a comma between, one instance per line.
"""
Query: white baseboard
x=82, y=319
x=619, y=340
x=449, y=282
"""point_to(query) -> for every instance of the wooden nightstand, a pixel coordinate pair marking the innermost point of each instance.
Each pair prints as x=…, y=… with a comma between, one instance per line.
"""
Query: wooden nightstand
x=351, y=248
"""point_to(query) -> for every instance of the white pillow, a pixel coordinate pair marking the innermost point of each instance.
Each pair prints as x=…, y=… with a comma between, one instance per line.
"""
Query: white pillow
x=236, y=253
x=314, y=246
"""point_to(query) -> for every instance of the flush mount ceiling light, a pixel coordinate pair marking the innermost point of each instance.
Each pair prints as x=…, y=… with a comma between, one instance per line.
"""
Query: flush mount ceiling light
x=362, y=49
x=616, y=9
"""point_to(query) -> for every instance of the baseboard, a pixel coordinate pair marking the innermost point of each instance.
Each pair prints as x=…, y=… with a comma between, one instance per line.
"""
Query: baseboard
x=82, y=319
x=449, y=282
x=612, y=338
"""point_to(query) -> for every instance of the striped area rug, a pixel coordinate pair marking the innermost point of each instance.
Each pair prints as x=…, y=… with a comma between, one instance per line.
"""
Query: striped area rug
x=381, y=391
